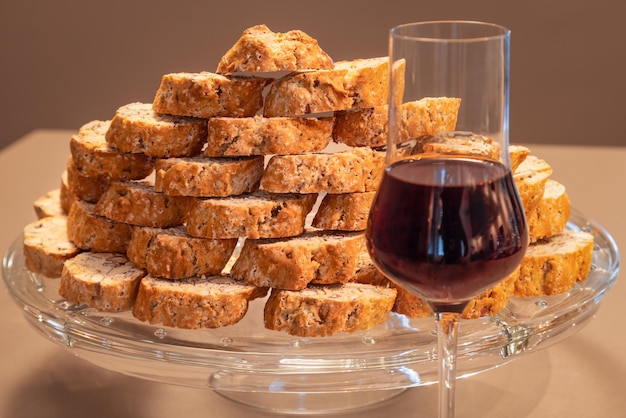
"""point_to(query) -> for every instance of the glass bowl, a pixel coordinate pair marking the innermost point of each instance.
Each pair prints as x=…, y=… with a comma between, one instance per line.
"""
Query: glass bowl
x=276, y=371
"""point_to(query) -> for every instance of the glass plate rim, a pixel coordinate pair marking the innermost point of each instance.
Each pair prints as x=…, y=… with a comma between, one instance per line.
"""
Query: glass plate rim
x=224, y=361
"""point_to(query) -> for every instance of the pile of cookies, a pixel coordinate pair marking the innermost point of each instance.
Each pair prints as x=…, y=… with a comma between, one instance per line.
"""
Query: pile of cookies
x=254, y=180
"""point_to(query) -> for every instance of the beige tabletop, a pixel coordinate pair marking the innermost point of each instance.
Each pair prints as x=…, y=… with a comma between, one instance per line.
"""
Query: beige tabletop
x=581, y=376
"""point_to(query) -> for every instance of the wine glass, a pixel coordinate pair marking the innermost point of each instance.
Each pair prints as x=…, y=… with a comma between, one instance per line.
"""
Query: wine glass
x=447, y=221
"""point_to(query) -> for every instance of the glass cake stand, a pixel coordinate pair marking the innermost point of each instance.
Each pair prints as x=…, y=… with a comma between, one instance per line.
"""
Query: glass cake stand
x=275, y=371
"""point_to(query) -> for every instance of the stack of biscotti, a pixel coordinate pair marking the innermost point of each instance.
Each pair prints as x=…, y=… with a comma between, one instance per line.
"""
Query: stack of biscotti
x=156, y=199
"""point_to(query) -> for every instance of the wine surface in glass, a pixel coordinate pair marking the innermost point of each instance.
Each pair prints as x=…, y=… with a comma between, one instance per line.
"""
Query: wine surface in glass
x=447, y=228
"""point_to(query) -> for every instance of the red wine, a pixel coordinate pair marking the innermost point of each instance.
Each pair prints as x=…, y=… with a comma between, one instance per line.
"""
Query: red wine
x=447, y=229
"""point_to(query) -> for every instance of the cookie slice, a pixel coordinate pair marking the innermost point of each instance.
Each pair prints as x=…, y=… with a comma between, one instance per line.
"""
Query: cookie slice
x=320, y=311
x=171, y=253
x=91, y=232
x=137, y=203
x=259, y=49
x=349, y=171
x=344, y=212
x=137, y=128
x=254, y=215
x=292, y=263
x=107, y=282
x=94, y=157
x=554, y=265
x=47, y=246
x=264, y=136
x=207, y=95
x=208, y=177
x=197, y=302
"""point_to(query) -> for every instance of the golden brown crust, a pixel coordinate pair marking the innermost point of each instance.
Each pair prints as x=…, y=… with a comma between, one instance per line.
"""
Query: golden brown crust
x=368, y=127
x=320, y=311
x=293, y=263
x=457, y=144
x=84, y=187
x=352, y=84
x=95, y=233
x=137, y=128
x=256, y=215
x=530, y=179
x=137, y=203
x=94, y=157
x=172, y=254
x=104, y=281
x=49, y=204
x=263, y=136
x=517, y=155
x=208, y=177
x=554, y=265
x=261, y=50
x=350, y=171
x=206, y=95
x=344, y=212
x=47, y=246
x=66, y=197
x=197, y=302
x=551, y=214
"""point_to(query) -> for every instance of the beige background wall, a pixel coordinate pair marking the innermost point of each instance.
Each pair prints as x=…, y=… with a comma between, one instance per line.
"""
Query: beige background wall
x=66, y=62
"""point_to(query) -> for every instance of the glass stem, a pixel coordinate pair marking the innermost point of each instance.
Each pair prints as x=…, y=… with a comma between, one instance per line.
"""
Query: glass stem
x=447, y=333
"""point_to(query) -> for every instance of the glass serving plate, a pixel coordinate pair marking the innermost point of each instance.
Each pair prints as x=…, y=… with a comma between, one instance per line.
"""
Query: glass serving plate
x=275, y=371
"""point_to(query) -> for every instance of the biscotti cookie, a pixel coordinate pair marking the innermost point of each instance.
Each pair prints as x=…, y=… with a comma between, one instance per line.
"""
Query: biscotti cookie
x=137, y=203
x=208, y=177
x=66, y=197
x=255, y=215
x=349, y=171
x=136, y=128
x=292, y=263
x=94, y=157
x=530, y=179
x=197, y=302
x=359, y=83
x=368, y=127
x=107, y=282
x=263, y=136
x=344, y=212
x=207, y=95
x=517, y=155
x=261, y=50
x=81, y=186
x=47, y=246
x=96, y=233
x=320, y=311
x=552, y=213
x=457, y=143
x=49, y=204
x=554, y=265
x=171, y=253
